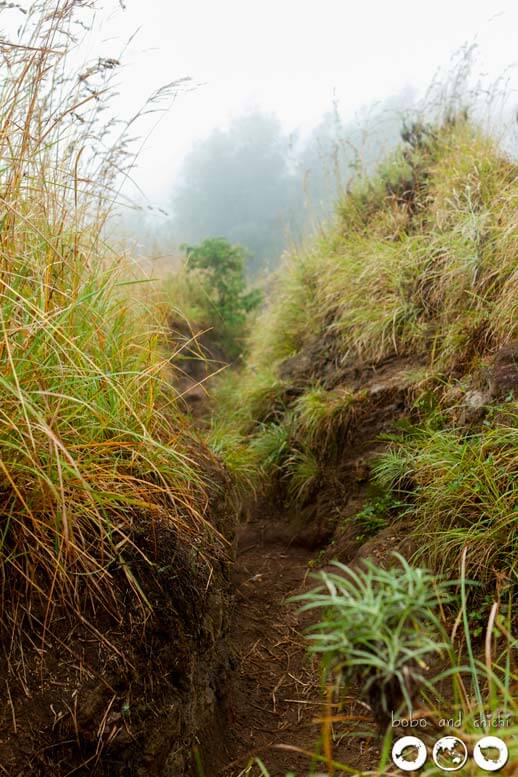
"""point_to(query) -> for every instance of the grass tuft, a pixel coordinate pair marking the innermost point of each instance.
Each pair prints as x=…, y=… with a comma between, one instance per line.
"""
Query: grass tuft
x=460, y=487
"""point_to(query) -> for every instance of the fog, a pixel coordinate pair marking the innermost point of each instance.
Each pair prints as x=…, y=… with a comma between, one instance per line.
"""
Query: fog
x=292, y=59
x=279, y=102
x=263, y=188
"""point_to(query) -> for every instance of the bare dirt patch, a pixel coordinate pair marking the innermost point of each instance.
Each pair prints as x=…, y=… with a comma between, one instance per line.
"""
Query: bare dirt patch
x=276, y=698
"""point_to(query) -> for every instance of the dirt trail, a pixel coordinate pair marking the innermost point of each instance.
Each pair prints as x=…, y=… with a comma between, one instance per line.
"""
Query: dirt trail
x=276, y=697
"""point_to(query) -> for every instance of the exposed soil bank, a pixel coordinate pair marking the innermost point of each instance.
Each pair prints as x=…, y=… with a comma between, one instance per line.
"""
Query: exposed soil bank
x=129, y=695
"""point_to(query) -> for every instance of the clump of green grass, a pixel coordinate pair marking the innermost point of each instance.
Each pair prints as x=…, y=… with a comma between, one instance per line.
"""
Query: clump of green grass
x=302, y=470
x=319, y=414
x=270, y=447
x=239, y=457
x=460, y=487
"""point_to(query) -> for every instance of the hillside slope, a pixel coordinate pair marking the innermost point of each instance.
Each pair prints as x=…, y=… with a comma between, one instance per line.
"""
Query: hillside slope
x=377, y=412
x=399, y=319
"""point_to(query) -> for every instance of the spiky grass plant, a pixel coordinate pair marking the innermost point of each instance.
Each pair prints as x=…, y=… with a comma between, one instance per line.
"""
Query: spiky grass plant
x=475, y=690
x=90, y=437
x=380, y=627
x=302, y=470
x=270, y=447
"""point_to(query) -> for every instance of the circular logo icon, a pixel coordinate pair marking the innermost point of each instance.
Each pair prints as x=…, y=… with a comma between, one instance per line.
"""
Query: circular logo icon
x=409, y=753
x=490, y=753
x=450, y=754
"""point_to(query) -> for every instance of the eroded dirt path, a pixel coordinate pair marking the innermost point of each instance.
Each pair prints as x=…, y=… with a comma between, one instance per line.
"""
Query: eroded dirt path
x=276, y=698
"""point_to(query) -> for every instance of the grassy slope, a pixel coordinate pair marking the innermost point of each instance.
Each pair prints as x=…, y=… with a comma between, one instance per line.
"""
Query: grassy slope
x=420, y=263
x=112, y=509
x=90, y=433
x=418, y=271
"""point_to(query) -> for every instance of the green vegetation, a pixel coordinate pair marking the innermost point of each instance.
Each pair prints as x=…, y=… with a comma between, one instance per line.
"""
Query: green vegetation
x=396, y=636
x=396, y=312
x=421, y=259
x=393, y=332
x=217, y=269
x=381, y=620
x=381, y=629
x=460, y=487
x=418, y=269
x=92, y=445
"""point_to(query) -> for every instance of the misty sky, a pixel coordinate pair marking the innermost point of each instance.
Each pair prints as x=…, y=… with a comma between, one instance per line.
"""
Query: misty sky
x=291, y=57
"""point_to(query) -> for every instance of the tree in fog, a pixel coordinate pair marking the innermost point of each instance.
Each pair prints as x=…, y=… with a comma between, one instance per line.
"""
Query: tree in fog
x=238, y=184
x=248, y=184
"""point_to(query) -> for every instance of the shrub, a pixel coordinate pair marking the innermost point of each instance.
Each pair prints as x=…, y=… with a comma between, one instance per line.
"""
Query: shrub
x=220, y=267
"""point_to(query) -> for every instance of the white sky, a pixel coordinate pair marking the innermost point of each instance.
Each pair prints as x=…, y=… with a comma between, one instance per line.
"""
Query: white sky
x=286, y=56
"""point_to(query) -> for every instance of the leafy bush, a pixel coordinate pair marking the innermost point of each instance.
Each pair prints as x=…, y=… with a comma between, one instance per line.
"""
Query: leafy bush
x=220, y=267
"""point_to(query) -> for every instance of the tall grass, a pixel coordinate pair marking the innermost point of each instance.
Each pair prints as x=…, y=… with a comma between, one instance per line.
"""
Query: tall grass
x=90, y=437
x=420, y=259
x=419, y=268
x=461, y=491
